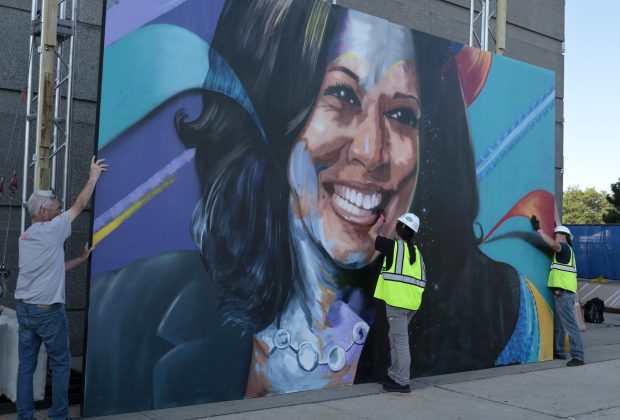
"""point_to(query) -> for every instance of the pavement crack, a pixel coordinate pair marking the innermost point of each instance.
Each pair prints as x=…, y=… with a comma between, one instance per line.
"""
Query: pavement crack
x=497, y=402
x=595, y=411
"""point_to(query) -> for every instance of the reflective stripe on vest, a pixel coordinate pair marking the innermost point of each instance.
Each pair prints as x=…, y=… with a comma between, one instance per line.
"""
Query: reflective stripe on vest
x=563, y=267
x=563, y=276
x=402, y=284
x=404, y=279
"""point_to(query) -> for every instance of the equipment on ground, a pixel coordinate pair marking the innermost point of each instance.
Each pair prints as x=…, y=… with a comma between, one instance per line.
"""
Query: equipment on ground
x=593, y=311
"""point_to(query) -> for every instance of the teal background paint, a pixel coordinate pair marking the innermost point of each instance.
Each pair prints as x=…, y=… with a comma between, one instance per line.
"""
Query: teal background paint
x=511, y=88
x=145, y=69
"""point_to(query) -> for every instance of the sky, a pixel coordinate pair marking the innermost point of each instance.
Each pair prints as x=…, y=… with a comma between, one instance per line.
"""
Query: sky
x=591, y=94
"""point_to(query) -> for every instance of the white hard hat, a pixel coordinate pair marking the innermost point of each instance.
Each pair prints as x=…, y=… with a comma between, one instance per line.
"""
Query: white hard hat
x=410, y=220
x=563, y=229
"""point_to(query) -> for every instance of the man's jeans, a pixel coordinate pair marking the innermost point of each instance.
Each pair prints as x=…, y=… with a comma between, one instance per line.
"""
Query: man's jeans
x=47, y=325
x=565, y=322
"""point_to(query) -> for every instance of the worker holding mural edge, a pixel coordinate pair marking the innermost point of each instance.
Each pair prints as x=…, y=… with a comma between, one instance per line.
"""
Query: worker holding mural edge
x=400, y=285
x=563, y=282
x=40, y=293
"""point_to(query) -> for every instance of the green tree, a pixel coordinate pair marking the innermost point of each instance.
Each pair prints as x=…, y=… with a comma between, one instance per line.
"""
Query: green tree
x=584, y=206
x=613, y=214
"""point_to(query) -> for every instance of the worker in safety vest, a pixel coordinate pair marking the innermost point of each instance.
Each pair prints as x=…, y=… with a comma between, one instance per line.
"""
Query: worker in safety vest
x=563, y=282
x=400, y=285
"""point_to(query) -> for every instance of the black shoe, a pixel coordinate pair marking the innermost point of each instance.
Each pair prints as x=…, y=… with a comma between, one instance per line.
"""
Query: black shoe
x=405, y=389
x=575, y=362
x=559, y=356
x=388, y=381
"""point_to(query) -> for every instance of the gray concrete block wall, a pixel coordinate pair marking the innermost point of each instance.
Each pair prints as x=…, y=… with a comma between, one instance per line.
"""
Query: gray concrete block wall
x=535, y=34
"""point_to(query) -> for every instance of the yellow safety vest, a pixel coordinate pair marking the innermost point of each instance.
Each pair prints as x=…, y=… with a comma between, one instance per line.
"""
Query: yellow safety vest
x=563, y=276
x=402, y=284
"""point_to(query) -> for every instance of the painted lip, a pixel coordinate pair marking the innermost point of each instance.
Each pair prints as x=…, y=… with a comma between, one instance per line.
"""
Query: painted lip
x=356, y=204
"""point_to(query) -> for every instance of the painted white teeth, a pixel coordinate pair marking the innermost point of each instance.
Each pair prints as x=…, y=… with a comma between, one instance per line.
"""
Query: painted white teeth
x=356, y=200
x=348, y=207
x=367, y=202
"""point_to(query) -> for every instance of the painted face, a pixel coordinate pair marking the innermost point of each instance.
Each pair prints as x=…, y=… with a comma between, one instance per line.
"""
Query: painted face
x=359, y=150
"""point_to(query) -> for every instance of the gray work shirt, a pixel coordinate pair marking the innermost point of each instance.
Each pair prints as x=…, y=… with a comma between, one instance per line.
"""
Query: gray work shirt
x=41, y=277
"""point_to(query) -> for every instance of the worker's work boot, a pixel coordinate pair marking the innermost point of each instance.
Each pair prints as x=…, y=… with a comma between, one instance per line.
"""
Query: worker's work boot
x=390, y=385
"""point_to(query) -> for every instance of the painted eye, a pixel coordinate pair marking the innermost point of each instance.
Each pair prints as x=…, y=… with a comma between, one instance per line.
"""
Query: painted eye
x=404, y=115
x=344, y=93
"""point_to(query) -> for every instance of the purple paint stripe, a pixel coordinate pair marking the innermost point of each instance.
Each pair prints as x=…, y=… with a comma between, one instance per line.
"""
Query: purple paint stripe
x=142, y=190
x=125, y=16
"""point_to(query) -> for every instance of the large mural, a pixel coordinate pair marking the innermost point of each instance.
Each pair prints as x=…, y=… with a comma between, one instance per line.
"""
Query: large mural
x=251, y=146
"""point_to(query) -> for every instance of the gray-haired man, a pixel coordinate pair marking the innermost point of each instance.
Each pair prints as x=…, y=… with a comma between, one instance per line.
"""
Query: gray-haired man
x=40, y=294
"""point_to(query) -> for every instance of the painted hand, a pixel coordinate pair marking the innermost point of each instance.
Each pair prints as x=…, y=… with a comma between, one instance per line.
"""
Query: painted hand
x=381, y=219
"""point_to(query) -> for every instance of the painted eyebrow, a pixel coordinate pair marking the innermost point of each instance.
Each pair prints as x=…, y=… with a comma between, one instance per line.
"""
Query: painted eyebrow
x=399, y=95
x=345, y=71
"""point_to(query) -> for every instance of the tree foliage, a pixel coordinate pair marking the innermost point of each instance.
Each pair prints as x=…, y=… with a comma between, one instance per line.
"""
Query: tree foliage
x=613, y=198
x=584, y=206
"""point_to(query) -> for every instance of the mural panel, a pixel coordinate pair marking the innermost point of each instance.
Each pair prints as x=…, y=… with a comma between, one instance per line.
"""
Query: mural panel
x=251, y=146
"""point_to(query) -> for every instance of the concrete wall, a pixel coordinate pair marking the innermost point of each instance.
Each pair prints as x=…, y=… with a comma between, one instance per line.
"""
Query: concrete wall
x=535, y=34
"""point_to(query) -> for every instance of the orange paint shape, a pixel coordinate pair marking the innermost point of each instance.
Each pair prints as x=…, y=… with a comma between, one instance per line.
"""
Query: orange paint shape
x=539, y=203
x=473, y=65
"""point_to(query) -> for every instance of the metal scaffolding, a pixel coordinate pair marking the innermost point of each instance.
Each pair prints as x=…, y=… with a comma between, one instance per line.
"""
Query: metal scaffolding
x=62, y=15
x=482, y=17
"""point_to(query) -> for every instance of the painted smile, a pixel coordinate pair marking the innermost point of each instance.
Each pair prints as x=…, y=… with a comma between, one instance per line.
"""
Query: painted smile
x=354, y=205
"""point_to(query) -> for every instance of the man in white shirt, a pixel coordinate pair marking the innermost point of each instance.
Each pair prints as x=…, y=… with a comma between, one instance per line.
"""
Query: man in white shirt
x=40, y=294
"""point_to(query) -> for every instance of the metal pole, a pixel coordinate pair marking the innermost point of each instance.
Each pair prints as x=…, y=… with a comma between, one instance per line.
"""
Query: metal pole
x=57, y=98
x=49, y=19
x=484, y=25
x=488, y=18
x=33, y=15
x=500, y=45
x=471, y=23
x=68, y=116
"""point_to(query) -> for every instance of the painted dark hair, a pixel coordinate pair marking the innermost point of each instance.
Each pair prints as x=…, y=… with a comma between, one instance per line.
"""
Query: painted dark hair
x=471, y=303
x=407, y=234
x=241, y=224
